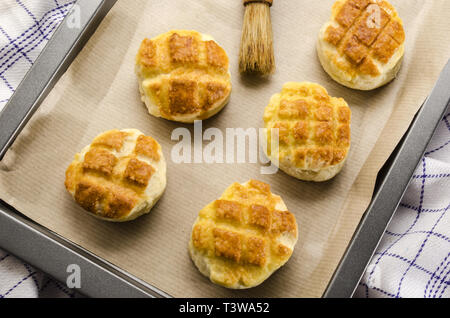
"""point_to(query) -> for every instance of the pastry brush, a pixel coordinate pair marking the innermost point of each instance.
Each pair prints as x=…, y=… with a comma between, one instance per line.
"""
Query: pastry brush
x=256, y=53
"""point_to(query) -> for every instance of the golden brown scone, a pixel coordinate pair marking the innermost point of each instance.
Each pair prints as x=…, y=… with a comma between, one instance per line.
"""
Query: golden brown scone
x=183, y=76
x=239, y=240
x=313, y=131
x=119, y=176
x=362, y=46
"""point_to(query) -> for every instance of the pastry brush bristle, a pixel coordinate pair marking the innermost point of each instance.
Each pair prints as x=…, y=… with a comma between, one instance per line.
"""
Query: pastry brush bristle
x=256, y=53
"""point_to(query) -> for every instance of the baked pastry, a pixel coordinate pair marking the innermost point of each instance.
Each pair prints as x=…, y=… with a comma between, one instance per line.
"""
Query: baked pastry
x=119, y=177
x=239, y=240
x=362, y=46
x=313, y=131
x=183, y=76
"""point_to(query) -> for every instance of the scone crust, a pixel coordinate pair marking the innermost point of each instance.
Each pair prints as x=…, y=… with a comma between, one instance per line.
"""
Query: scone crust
x=362, y=46
x=119, y=176
x=313, y=131
x=239, y=240
x=183, y=76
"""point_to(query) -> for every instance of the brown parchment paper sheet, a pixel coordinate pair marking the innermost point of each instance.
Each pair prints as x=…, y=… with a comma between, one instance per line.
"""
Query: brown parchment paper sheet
x=99, y=92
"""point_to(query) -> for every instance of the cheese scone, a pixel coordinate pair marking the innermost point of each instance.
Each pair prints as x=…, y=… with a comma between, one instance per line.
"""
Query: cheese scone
x=362, y=46
x=119, y=176
x=239, y=240
x=313, y=131
x=183, y=76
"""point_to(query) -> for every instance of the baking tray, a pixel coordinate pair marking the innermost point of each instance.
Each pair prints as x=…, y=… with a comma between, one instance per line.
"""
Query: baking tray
x=52, y=253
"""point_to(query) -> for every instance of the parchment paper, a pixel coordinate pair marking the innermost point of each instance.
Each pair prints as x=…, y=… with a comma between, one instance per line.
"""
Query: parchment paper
x=100, y=92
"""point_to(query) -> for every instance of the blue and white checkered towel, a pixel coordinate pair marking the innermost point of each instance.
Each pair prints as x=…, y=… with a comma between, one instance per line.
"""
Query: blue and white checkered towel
x=413, y=259
x=25, y=27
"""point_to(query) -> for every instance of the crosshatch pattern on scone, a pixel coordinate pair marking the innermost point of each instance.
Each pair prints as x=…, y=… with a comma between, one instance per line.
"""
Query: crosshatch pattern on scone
x=363, y=43
x=119, y=176
x=313, y=131
x=240, y=239
x=183, y=75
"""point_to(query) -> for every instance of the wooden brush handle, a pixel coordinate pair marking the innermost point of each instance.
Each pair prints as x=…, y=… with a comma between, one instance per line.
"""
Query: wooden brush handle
x=269, y=2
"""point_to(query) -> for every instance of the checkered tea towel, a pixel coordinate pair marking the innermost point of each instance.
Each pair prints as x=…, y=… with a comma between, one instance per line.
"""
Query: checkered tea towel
x=25, y=28
x=413, y=259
